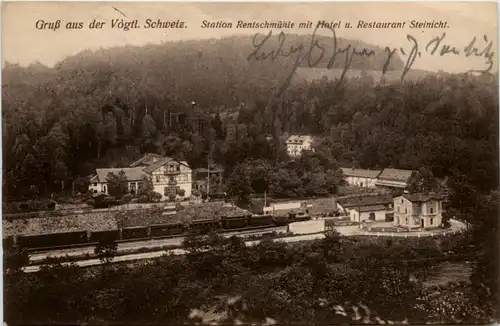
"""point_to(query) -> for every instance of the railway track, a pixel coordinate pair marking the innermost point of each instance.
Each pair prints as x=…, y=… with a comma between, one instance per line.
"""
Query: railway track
x=38, y=255
x=159, y=253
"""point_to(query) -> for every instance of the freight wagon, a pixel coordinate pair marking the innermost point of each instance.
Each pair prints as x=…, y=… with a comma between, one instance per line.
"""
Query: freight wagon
x=69, y=239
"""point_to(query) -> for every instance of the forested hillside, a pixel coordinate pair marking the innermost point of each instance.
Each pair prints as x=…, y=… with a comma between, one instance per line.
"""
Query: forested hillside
x=106, y=108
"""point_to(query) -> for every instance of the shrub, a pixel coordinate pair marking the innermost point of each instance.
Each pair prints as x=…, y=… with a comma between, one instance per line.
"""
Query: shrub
x=196, y=193
x=155, y=196
x=90, y=202
x=143, y=199
x=171, y=197
x=181, y=192
x=127, y=198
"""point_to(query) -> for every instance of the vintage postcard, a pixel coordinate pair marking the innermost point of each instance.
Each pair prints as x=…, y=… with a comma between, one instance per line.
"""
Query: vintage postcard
x=250, y=163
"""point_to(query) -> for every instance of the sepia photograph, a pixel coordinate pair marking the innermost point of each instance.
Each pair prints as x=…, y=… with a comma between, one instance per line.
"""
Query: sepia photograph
x=250, y=163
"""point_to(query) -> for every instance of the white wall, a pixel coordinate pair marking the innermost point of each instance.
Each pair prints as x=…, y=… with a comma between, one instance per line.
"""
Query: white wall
x=183, y=179
x=100, y=187
x=354, y=216
x=361, y=182
x=306, y=227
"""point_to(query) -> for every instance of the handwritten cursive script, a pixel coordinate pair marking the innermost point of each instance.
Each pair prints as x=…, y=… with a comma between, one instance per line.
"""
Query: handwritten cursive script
x=303, y=55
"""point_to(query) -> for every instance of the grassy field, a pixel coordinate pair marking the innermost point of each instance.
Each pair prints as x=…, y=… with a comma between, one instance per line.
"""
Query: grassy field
x=450, y=272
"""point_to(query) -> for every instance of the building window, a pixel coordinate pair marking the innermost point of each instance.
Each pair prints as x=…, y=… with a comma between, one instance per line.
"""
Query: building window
x=406, y=210
x=432, y=210
x=401, y=201
x=178, y=167
x=95, y=184
x=103, y=188
x=157, y=178
x=431, y=222
x=140, y=186
x=133, y=187
x=406, y=221
x=397, y=208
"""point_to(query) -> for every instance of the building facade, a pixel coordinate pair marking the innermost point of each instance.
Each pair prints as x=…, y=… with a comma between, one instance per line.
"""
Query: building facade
x=168, y=176
x=368, y=213
x=372, y=207
x=418, y=210
x=135, y=177
x=295, y=144
x=360, y=177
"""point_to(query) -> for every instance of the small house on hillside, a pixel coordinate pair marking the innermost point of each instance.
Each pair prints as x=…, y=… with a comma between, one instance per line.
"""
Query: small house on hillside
x=418, y=210
x=296, y=144
x=360, y=177
x=394, y=178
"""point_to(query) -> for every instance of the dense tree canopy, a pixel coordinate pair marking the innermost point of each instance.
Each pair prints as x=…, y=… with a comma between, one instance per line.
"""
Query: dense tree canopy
x=106, y=108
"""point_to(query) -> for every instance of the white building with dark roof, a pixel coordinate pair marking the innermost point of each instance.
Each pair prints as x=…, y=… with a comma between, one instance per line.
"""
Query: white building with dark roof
x=296, y=144
x=360, y=177
x=135, y=176
x=168, y=176
x=370, y=213
x=369, y=207
x=418, y=210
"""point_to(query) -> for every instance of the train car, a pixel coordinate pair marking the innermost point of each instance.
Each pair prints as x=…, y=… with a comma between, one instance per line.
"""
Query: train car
x=301, y=216
x=234, y=222
x=159, y=230
x=281, y=220
x=204, y=226
x=52, y=240
x=8, y=242
x=130, y=233
x=102, y=236
x=260, y=220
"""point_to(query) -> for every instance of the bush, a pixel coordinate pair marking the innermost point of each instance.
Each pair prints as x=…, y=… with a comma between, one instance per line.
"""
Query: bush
x=171, y=197
x=143, y=199
x=155, y=196
x=127, y=198
x=90, y=202
x=181, y=192
x=196, y=193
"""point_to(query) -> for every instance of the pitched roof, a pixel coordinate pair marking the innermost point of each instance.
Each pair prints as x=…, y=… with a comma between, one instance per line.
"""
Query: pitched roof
x=421, y=197
x=356, y=201
x=133, y=174
x=162, y=162
x=348, y=172
x=371, y=208
x=296, y=139
x=395, y=175
x=147, y=159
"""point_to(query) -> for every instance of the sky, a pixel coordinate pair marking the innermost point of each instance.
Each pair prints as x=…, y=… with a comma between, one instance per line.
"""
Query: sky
x=23, y=43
